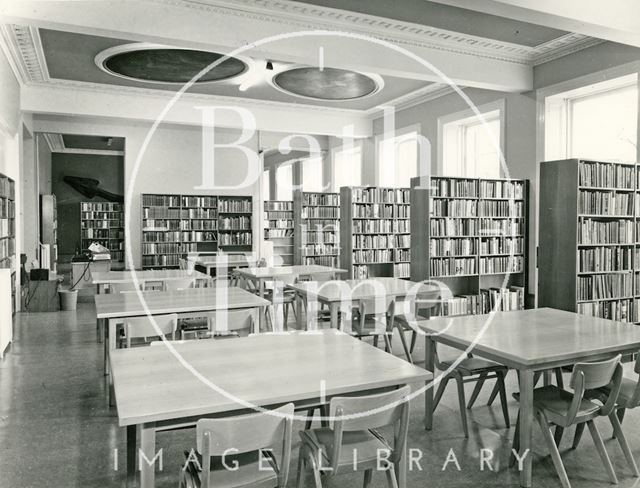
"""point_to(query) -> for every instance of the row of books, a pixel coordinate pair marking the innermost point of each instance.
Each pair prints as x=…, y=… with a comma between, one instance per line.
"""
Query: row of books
x=380, y=226
x=452, y=266
x=201, y=224
x=318, y=237
x=101, y=207
x=605, y=232
x=364, y=256
x=447, y=187
x=199, y=202
x=102, y=234
x=277, y=233
x=166, y=248
x=402, y=255
x=320, y=250
x=402, y=211
x=160, y=200
x=278, y=206
x=159, y=260
x=7, y=227
x=280, y=224
x=101, y=224
x=606, y=175
x=502, y=299
x=380, y=195
x=601, y=286
x=455, y=247
x=620, y=310
x=234, y=206
x=164, y=213
x=162, y=224
x=454, y=208
x=501, y=189
x=450, y=227
x=322, y=261
x=278, y=215
x=606, y=259
x=605, y=203
x=501, y=245
x=502, y=264
x=321, y=199
x=382, y=241
x=501, y=208
x=234, y=223
x=101, y=216
x=201, y=213
x=502, y=227
x=7, y=248
x=401, y=270
x=320, y=212
x=7, y=188
x=235, y=239
x=7, y=208
x=373, y=211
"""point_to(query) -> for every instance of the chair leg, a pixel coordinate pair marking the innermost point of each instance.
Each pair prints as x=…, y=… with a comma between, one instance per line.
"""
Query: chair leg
x=494, y=394
x=503, y=399
x=301, y=463
x=309, y=421
x=597, y=440
x=557, y=435
x=624, y=445
x=315, y=469
x=414, y=339
x=559, y=378
x=387, y=343
x=285, y=312
x=441, y=388
x=375, y=341
x=392, y=481
x=463, y=404
x=476, y=390
x=403, y=341
x=324, y=412
x=620, y=413
x=555, y=455
x=367, y=478
x=515, y=446
x=578, y=435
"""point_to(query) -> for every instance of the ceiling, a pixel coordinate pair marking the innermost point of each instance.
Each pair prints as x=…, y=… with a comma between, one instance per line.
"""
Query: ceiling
x=72, y=141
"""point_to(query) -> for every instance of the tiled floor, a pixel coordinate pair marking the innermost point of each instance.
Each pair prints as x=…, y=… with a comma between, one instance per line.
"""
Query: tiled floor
x=56, y=429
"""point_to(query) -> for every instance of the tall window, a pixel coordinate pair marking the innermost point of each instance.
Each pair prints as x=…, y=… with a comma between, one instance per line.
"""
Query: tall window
x=398, y=160
x=598, y=121
x=347, y=167
x=312, y=179
x=284, y=182
x=470, y=147
x=266, y=187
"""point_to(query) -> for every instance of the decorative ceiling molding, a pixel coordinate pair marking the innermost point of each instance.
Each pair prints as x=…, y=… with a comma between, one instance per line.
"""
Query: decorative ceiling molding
x=307, y=16
x=423, y=95
x=26, y=52
x=54, y=141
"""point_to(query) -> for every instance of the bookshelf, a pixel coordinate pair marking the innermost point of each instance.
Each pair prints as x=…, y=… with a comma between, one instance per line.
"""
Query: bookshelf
x=375, y=230
x=278, y=228
x=589, y=238
x=317, y=228
x=174, y=225
x=103, y=223
x=8, y=231
x=471, y=235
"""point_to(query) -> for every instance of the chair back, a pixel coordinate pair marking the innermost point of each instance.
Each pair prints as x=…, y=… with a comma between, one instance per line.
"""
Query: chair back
x=370, y=412
x=162, y=343
x=232, y=320
x=428, y=300
x=126, y=286
x=634, y=401
x=142, y=327
x=244, y=434
x=590, y=376
x=380, y=309
x=181, y=284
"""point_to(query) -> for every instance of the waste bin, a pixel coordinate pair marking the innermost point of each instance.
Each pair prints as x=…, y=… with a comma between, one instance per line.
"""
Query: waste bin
x=68, y=300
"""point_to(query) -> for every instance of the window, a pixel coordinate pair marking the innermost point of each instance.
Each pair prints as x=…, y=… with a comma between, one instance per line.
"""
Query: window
x=312, y=179
x=266, y=187
x=470, y=147
x=284, y=182
x=398, y=160
x=347, y=167
x=598, y=121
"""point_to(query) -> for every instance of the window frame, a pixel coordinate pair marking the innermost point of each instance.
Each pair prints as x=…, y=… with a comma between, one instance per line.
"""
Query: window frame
x=397, y=134
x=357, y=145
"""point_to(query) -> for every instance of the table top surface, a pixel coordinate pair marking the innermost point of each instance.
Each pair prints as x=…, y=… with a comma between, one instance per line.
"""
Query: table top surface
x=152, y=385
x=528, y=338
x=106, y=277
x=298, y=270
x=337, y=290
x=116, y=305
x=222, y=259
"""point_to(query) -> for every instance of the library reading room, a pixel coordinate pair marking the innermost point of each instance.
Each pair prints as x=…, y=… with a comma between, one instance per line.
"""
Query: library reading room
x=319, y=243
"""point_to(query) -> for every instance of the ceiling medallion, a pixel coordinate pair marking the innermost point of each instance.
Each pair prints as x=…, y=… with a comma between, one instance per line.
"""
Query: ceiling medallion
x=327, y=84
x=156, y=63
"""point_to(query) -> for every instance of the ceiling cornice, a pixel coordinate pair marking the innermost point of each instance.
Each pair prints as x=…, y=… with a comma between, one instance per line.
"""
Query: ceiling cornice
x=426, y=94
x=54, y=141
x=26, y=52
x=307, y=16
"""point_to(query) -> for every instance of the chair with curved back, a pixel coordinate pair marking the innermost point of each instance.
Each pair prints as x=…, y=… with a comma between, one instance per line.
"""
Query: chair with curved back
x=143, y=328
x=181, y=284
x=375, y=319
x=354, y=428
x=555, y=406
x=246, y=451
x=425, y=305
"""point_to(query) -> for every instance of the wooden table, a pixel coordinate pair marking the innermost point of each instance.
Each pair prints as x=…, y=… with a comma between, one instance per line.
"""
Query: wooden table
x=339, y=293
x=225, y=261
x=156, y=392
x=529, y=341
x=115, y=307
x=103, y=278
x=260, y=276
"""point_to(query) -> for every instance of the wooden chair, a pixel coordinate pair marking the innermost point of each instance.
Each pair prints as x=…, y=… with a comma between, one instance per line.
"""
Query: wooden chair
x=555, y=406
x=259, y=445
x=471, y=370
x=329, y=450
x=127, y=286
x=629, y=397
x=143, y=328
x=181, y=284
x=425, y=305
x=279, y=296
x=323, y=312
x=375, y=319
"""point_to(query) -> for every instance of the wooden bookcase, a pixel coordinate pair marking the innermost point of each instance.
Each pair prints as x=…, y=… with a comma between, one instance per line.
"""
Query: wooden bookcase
x=278, y=228
x=317, y=228
x=471, y=235
x=103, y=223
x=8, y=231
x=589, y=254
x=375, y=231
x=174, y=225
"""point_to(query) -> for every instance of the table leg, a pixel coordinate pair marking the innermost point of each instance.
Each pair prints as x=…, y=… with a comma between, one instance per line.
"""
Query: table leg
x=148, y=459
x=111, y=341
x=300, y=307
x=526, y=425
x=105, y=341
x=132, y=447
x=263, y=316
x=429, y=365
x=333, y=308
x=100, y=329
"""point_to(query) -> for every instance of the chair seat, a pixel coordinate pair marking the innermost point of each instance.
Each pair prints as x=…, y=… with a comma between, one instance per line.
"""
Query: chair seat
x=365, y=442
x=556, y=401
x=472, y=366
x=249, y=472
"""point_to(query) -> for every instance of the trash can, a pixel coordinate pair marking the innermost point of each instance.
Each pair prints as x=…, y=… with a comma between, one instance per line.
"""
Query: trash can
x=68, y=300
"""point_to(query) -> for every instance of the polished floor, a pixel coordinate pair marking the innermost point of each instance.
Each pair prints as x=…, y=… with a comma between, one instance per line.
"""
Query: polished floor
x=56, y=429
